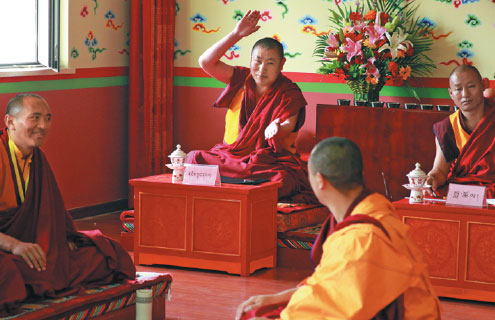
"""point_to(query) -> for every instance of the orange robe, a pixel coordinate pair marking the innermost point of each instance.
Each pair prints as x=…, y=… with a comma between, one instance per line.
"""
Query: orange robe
x=363, y=270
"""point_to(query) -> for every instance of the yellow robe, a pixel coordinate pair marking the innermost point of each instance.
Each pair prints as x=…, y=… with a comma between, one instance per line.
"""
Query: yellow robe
x=362, y=271
x=461, y=136
x=232, y=118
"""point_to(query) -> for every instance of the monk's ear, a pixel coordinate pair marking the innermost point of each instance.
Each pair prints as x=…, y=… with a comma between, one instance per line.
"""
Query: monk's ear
x=450, y=93
x=282, y=62
x=321, y=182
x=9, y=121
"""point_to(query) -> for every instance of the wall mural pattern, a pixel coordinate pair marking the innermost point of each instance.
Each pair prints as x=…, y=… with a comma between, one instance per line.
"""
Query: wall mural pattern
x=460, y=36
x=91, y=42
x=99, y=33
x=179, y=51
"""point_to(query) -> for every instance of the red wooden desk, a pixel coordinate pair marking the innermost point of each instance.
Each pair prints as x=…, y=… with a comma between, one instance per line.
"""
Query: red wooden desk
x=229, y=228
x=458, y=244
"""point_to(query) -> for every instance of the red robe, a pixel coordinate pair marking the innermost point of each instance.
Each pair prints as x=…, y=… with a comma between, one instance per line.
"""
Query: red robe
x=251, y=156
x=43, y=219
x=475, y=161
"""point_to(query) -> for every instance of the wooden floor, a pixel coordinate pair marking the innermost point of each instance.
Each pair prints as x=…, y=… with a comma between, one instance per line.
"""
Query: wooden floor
x=200, y=294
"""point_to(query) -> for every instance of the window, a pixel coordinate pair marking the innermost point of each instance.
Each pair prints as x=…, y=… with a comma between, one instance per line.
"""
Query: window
x=30, y=34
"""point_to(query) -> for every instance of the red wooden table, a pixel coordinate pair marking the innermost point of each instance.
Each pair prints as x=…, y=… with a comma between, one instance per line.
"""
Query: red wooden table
x=229, y=228
x=458, y=244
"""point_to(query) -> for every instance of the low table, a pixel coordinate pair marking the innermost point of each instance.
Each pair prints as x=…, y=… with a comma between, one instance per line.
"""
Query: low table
x=458, y=244
x=229, y=228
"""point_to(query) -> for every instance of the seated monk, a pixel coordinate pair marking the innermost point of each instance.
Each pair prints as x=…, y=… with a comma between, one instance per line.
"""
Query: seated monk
x=367, y=266
x=41, y=252
x=266, y=110
x=465, y=141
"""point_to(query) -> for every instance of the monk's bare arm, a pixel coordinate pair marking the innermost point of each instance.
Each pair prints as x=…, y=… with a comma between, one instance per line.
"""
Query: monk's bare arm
x=31, y=252
x=280, y=130
x=210, y=59
x=438, y=175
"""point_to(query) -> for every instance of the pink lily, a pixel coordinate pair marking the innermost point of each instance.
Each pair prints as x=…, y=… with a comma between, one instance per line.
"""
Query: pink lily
x=358, y=27
x=375, y=33
x=371, y=69
x=353, y=49
x=332, y=41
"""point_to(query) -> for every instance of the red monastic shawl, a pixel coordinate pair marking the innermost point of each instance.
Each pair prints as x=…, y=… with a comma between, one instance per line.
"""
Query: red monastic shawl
x=43, y=219
x=476, y=161
x=251, y=156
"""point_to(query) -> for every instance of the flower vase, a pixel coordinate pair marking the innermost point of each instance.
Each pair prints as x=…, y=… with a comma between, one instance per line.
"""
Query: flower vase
x=365, y=91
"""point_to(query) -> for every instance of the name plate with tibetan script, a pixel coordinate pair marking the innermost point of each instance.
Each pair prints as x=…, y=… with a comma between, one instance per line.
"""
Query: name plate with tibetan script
x=202, y=175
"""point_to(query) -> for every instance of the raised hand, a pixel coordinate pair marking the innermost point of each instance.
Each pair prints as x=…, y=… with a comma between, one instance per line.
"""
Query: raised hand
x=248, y=24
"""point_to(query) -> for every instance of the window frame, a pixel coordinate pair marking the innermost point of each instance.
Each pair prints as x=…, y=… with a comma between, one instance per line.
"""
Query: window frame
x=51, y=44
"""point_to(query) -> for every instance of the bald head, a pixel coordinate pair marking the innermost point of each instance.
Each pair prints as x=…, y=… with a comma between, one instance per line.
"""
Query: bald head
x=15, y=104
x=270, y=43
x=339, y=161
x=466, y=68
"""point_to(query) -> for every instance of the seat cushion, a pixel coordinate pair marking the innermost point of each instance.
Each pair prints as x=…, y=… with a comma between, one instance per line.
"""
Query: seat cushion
x=291, y=216
x=301, y=238
x=95, y=302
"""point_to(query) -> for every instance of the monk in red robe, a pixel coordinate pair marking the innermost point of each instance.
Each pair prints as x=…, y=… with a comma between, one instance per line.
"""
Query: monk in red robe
x=367, y=266
x=265, y=111
x=41, y=252
x=465, y=141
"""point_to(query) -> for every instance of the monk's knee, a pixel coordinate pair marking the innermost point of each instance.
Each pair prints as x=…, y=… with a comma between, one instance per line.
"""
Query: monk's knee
x=12, y=288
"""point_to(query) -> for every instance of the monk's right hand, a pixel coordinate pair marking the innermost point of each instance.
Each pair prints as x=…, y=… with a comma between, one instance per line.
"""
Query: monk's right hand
x=248, y=24
x=31, y=253
x=255, y=302
x=272, y=129
x=435, y=180
x=432, y=182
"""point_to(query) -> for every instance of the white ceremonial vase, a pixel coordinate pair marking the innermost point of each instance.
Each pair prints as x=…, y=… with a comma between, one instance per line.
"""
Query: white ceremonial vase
x=178, y=160
x=417, y=179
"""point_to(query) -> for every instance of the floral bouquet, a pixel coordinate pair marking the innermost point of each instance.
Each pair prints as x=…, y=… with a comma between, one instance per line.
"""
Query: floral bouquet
x=381, y=40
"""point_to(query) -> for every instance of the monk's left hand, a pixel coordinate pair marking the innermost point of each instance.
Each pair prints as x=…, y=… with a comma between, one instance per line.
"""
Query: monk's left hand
x=272, y=129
